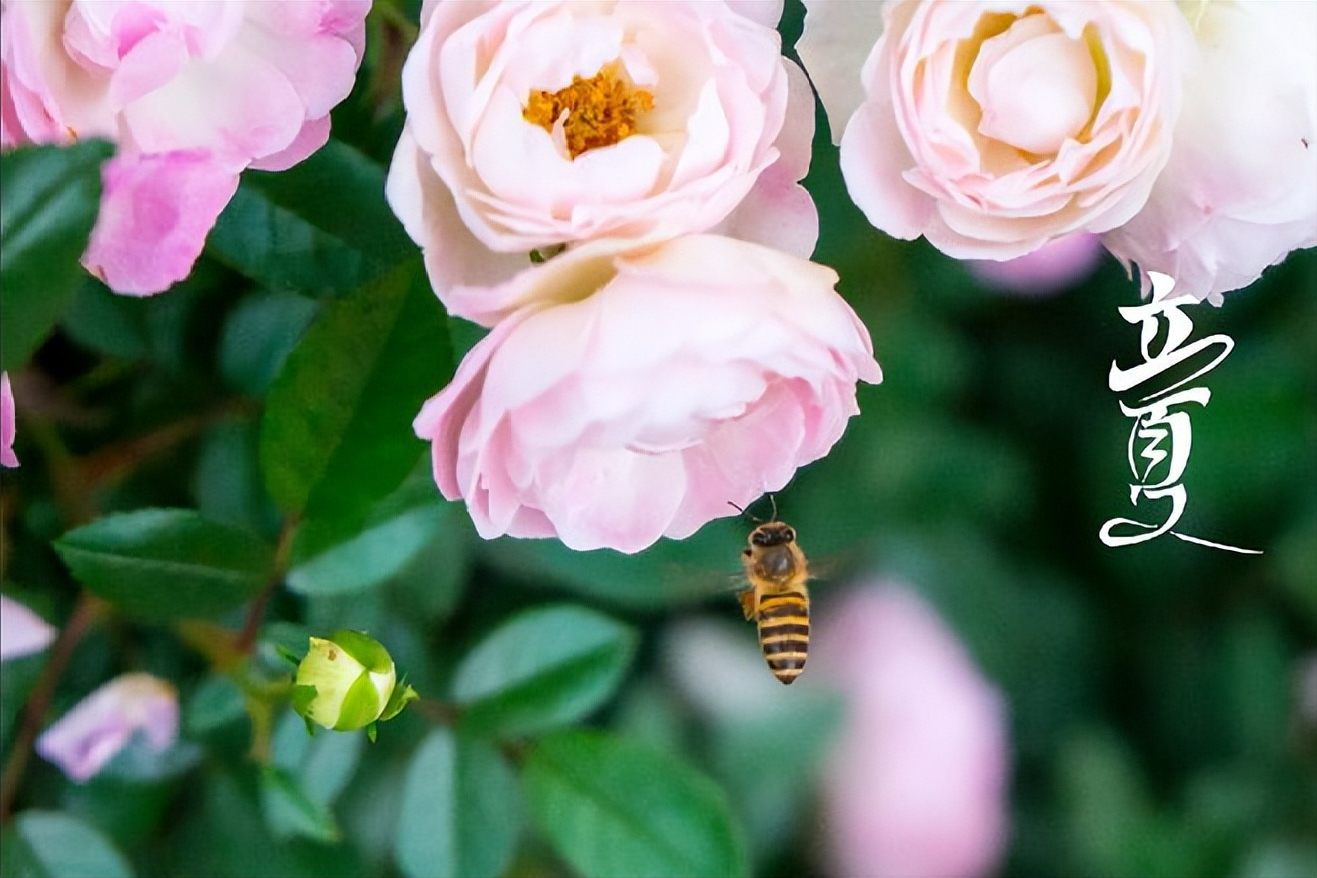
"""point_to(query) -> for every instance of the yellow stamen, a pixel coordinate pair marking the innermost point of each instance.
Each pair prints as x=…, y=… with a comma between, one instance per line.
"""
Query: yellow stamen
x=601, y=110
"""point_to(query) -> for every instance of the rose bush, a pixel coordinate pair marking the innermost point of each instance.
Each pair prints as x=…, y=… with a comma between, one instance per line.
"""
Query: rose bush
x=192, y=93
x=532, y=125
x=628, y=396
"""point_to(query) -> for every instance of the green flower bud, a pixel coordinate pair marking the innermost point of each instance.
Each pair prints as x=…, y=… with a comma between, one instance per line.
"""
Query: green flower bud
x=347, y=682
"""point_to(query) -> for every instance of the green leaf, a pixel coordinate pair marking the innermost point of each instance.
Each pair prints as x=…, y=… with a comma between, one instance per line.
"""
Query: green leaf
x=337, y=433
x=460, y=813
x=615, y=808
x=44, y=844
x=258, y=336
x=320, y=227
x=161, y=564
x=51, y=198
x=320, y=766
x=291, y=812
x=542, y=669
x=325, y=562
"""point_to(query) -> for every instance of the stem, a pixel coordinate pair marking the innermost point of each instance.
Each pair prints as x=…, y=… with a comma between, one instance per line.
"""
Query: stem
x=251, y=626
x=39, y=702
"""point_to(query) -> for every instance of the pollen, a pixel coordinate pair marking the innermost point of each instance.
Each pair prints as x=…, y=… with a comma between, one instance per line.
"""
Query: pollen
x=601, y=111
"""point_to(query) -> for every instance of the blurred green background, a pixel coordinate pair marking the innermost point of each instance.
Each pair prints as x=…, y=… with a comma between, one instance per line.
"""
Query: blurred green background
x=1153, y=691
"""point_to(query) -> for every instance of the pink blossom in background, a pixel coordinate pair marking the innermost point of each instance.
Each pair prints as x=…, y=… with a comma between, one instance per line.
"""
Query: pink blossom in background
x=87, y=737
x=8, y=427
x=191, y=93
x=22, y=632
x=992, y=129
x=1049, y=269
x=622, y=397
x=917, y=783
x=1240, y=190
x=719, y=138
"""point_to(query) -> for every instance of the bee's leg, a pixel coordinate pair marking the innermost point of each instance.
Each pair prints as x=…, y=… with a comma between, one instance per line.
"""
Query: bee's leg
x=748, y=603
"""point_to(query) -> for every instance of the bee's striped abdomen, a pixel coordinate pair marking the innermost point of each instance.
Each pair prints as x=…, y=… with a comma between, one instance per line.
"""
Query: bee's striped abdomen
x=784, y=633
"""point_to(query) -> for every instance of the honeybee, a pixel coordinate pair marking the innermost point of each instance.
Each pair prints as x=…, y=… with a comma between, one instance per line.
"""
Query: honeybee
x=777, y=599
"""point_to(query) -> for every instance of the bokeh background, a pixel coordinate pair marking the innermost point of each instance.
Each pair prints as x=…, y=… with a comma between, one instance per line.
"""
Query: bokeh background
x=1158, y=702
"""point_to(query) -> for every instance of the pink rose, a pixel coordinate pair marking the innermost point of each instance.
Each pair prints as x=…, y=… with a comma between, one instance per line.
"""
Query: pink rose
x=102, y=724
x=192, y=92
x=628, y=396
x=916, y=785
x=22, y=632
x=7, y=425
x=1240, y=190
x=1050, y=269
x=536, y=124
x=991, y=129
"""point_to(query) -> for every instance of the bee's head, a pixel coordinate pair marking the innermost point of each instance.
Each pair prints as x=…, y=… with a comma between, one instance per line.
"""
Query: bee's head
x=773, y=533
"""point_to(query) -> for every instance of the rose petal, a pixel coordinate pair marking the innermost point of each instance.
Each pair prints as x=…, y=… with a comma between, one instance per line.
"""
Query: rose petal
x=22, y=632
x=156, y=211
x=87, y=737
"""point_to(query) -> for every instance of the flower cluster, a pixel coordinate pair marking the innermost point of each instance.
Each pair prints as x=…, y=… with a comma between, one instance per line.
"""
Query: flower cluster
x=1184, y=134
x=677, y=350
x=191, y=93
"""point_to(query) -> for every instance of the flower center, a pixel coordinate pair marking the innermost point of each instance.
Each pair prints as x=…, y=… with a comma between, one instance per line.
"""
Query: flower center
x=600, y=111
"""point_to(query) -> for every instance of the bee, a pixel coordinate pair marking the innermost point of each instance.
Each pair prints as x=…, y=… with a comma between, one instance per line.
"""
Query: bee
x=777, y=599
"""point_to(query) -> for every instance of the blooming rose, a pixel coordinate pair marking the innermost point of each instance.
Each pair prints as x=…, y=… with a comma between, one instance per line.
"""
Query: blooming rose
x=102, y=724
x=536, y=124
x=916, y=785
x=991, y=129
x=1240, y=190
x=22, y=632
x=628, y=396
x=192, y=93
x=7, y=425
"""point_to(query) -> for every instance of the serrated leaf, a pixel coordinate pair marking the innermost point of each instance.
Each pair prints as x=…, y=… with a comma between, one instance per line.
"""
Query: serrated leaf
x=51, y=198
x=161, y=564
x=460, y=813
x=44, y=844
x=614, y=808
x=321, y=227
x=337, y=436
x=291, y=812
x=544, y=668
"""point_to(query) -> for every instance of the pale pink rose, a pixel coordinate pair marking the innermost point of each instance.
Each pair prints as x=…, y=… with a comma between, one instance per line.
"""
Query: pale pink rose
x=993, y=128
x=707, y=128
x=1049, y=269
x=1240, y=190
x=916, y=786
x=194, y=92
x=632, y=395
x=22, y=632
x=8, y=427
x=102, y=724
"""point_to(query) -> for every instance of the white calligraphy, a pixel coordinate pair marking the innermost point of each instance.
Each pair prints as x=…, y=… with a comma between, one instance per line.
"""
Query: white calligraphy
x=1162, y=435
